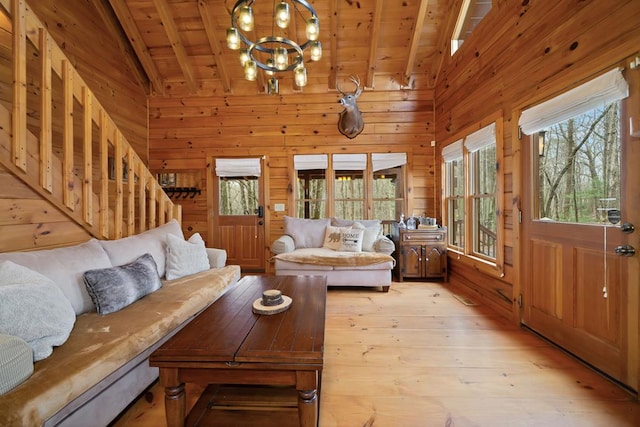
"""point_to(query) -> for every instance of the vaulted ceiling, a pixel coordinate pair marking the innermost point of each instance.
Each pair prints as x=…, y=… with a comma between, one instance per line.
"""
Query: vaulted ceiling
x=389, y=44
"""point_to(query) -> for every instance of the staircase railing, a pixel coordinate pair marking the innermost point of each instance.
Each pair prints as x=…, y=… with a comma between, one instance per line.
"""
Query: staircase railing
x=61, y=142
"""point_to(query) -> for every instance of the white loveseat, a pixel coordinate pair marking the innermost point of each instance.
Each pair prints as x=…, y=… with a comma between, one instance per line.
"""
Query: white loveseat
x=103, y=364
x=347, y=253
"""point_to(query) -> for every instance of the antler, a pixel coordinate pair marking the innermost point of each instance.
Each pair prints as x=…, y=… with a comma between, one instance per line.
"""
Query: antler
x=356, y=81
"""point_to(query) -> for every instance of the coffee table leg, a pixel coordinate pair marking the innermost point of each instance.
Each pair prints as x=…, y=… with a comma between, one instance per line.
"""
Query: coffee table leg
x=174, y=397
x=307, y=387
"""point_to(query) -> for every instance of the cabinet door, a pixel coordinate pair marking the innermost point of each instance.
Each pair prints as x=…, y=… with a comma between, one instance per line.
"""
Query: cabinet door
x=412, y=255
x=435, y=258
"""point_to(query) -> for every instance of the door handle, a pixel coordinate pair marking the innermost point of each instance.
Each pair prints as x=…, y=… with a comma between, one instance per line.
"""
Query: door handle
x=260, y=211
x=625, y=250
x=627, y=228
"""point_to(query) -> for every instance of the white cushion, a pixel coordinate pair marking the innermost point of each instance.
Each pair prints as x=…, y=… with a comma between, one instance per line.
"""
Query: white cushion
x=185, y=257
x=371, y=234
x=283, y=244
x=65, y=266
x=16, y=362
x=33, y=308
x=307, y=233
x=351, y=240
x=126, y=250
x=333, y=237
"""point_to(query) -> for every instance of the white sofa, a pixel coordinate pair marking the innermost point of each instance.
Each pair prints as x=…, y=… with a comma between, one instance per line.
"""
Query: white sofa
x=102, y=366
x=347, y=253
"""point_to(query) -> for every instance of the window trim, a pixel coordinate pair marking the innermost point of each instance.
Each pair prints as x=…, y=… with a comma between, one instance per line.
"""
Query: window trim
x=493, y=267
x=368, y=173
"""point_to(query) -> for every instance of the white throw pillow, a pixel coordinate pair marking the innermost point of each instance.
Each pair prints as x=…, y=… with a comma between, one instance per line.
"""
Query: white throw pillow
x=307, y=233
x=33, y=308
x=333, y=237
x=351, y=240
x=185, y=257
x=371, y=234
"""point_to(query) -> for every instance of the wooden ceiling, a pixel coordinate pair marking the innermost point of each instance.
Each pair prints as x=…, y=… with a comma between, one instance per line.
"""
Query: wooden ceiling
x=389, y=44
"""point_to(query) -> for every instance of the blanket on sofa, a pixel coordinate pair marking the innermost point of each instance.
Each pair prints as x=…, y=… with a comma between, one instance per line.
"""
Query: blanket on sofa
x=322, y=256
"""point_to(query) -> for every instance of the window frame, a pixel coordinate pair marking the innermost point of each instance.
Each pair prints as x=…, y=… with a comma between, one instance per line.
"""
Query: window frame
x=466, y=253
x=368, y=178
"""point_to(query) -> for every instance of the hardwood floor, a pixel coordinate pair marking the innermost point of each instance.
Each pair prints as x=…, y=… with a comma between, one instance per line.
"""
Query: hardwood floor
x=418, y=356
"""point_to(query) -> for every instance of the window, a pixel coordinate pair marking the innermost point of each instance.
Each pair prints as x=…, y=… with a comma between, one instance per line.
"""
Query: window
x=388, y=188
x=311, y=185
x=361, y=183
x=577, y=139
x=454, y=192
x=472, y=186
x=481, y=146
x=348, y=200
x=471, y=13
x=238, y=190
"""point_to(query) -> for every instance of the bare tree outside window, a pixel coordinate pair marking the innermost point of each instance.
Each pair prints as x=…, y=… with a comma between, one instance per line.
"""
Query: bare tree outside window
x=579, y=167
x=349, y=194
x=388, y=193
x=238, y=195
x=312, y=193
x=483, y=183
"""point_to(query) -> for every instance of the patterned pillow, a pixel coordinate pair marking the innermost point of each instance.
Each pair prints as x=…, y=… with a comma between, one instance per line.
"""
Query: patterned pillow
x=351, y=240
x=185, y=257
x=333, y=237
x=114, y=288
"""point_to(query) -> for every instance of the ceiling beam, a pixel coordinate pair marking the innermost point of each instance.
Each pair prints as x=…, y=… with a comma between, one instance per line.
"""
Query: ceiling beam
x=373, y=48
x=171, y=30
x=415, y=41
x=208, y=20
x=114, y=27
x=135, y=38
x=333, y=43
x=443, y=46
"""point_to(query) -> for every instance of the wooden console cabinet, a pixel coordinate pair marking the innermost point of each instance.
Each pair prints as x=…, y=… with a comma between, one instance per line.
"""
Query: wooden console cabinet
x=420, y=253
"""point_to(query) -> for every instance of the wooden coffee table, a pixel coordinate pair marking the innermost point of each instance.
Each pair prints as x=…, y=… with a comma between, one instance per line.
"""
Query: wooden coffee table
x=228, y=344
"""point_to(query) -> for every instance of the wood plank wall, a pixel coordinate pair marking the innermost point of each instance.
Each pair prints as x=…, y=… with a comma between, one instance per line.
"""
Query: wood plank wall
x=187, y=131
x=521, y=53
x=79, y=29
x=26, y=220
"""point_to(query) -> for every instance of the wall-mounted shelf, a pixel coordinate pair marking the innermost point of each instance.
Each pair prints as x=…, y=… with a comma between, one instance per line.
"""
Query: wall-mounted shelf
x=182, y=192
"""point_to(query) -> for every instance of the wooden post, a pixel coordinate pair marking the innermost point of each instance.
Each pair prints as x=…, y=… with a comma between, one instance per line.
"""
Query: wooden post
x=46, y=172
x=19, y=123
x=87, y=182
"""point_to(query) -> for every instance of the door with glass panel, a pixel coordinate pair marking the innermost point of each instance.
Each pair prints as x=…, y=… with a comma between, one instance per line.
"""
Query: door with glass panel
x=580, y=276
x=238, y=213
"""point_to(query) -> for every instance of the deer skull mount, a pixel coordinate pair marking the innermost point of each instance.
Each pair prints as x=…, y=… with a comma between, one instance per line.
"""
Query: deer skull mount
x=350, y=123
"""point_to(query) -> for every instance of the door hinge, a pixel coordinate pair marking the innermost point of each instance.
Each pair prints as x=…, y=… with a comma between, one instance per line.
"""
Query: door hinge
x=520, y=300
x=520, y=217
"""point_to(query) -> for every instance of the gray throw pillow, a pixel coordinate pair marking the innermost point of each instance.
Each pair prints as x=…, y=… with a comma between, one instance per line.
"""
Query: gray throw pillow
x=114, y=288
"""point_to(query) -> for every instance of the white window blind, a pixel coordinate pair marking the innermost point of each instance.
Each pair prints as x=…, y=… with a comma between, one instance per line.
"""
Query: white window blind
x=382, y=161
x=452, y=151
x=310, y=161
x=481, y=138
x=238, y=167
x=603, y=90
x=349, y=162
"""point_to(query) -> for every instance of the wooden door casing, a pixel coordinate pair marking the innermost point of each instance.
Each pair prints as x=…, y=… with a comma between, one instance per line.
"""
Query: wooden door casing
x=242, y=236
x=567, y=267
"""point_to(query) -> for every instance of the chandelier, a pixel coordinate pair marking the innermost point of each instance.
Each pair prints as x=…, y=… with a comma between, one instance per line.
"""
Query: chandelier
x=274, y=53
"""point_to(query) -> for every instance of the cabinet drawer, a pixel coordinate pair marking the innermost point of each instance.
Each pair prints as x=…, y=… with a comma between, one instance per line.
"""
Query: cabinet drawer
x=422, y=236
